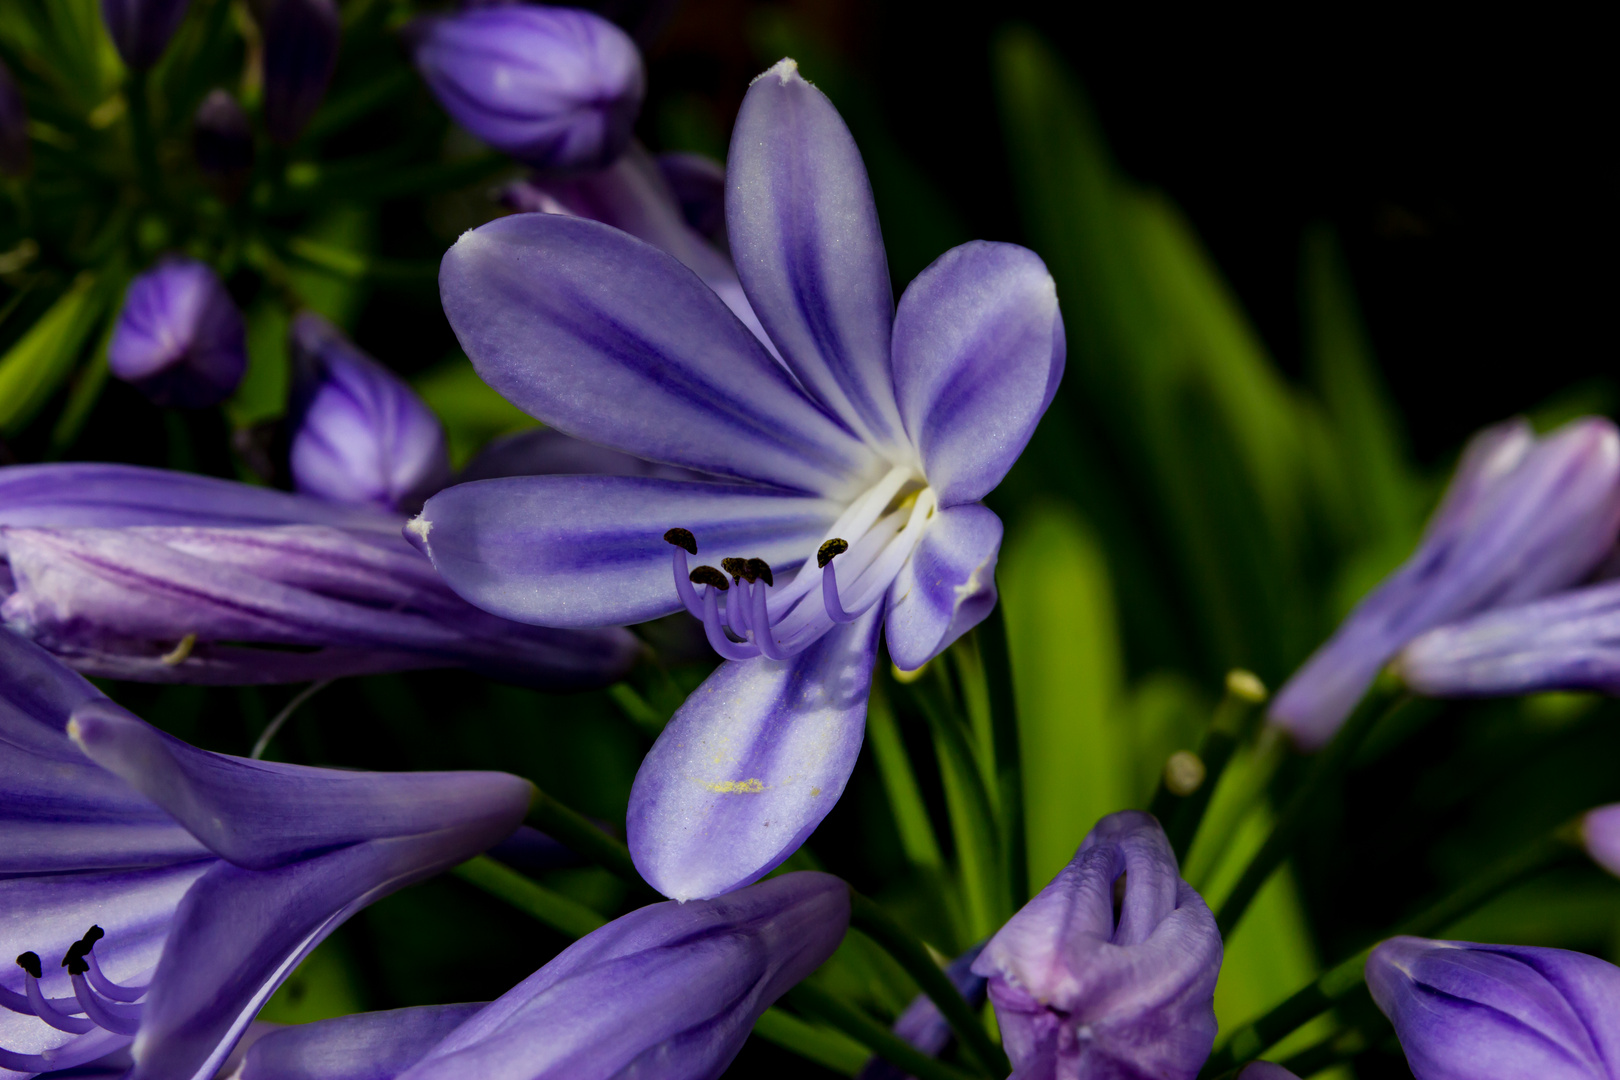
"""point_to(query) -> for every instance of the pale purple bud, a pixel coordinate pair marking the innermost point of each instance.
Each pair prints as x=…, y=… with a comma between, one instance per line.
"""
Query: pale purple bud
x=923, y=1025
x=1524, y=517
x=179, y=338
x=1600, y=833
x=142, y=28
x=1090, y=988
x=300, y=54
x=222, y=139
x=1482, y=1012
x=554, y=87
x=14, y=155
x=359, y=433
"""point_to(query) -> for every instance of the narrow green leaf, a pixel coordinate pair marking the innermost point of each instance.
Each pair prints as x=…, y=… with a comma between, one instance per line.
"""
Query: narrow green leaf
x=557, y=911
x=262, y=394
x=823, y=1045
x=900, y=783
x=33, y=368
x=967, y=803
x=471, y=412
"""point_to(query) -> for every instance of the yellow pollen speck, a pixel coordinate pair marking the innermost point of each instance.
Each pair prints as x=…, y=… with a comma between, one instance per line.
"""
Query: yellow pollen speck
x=737, y=787
x=180, y=652
x=815, y=791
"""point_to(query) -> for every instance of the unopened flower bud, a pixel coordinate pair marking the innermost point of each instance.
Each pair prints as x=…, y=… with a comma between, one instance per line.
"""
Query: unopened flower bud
x=300, y=53
x=179, y=338
x=1600, y=833
x=14, y=154
x=553, y=87
x=141, y=29
x=222, y=140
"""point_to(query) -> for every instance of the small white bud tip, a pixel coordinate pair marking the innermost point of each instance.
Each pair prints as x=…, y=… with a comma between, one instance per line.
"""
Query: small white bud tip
x=1184, y=773
x=1246, y=686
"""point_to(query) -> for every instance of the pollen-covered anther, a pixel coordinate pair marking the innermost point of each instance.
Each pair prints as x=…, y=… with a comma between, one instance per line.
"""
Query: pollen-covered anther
x=682, y=538
x=829, y=551
x=759, y=570
x=737, y=568
x=708, y=575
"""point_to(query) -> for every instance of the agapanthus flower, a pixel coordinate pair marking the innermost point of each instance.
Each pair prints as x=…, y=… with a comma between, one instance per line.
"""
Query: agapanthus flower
x=668, y=991
x=14, y=152
x=179, y=338
x=1524, y=517
x=359, y=433
x=554, y=87
x=158, y=894
x=1600, y=835
x=923, y=1025
x=842, y=484
x=1090, y=987
x=1499, y=1012
x=141, y=29
x=300, y=54
x=161, y=576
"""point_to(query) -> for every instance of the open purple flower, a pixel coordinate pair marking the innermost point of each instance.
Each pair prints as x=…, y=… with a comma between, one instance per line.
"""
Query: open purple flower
x=158, y=894
x=160, y=576
x=842, y=483
x=360, y=435
x=1524, y=517
x=1499, y=1012
x=668, y=991
x=1090, y=987
x=179, y=338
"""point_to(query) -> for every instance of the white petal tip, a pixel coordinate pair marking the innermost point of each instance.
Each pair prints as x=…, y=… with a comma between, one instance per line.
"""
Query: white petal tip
x=786, y=70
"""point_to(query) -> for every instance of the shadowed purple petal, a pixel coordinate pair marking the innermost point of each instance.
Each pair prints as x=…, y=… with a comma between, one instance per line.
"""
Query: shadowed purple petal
x=141, y=29
x=179, y=337
x=365, y=1046
x=1600, y=831
x=947, y=586
x=1265, y=1070
x=544, y=452
x=749, y=766
x=300, y=55
x=978, y=352
x=610, y=340
x=699, y=185
x=590, y=550
x=804, y=235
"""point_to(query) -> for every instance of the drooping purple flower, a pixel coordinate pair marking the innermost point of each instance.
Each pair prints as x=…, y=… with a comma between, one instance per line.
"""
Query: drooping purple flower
x=222, y=140
x=159, y=576
x=158, y=894
x=300, y=53
x=179, y=337
x=555, y=88
x=141, y=29
x=1499, y=1012
x=668, y=991
x=1090, y=988
x=1524, y=517
x=923, y=1025
x=360, y=434
x=1600, y=833
x=14, y=152
x=842, y=483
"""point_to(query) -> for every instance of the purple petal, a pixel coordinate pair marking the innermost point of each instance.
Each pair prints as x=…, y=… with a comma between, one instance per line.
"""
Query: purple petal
x=699, y=185
x=805, y=238
x=946, y=587
x=590, y=550
x=1265, y=1070
x=544, y=452
x=749, y=766
x=179, y=336
x=612, y=341
x=1600, y=831
x=978, y=352
x=366, y=1046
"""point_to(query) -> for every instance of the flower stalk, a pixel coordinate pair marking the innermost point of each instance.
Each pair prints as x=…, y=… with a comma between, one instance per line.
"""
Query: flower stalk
x=1181, y=812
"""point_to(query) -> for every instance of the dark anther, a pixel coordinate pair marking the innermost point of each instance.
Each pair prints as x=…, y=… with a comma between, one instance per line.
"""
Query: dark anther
x=75, y=963
x=760, y=569
x=682, y=538
x=830, y=549
x=29, y=962
x=79, y=948
x=91, y=936
x=708, y=575
x=737, y=568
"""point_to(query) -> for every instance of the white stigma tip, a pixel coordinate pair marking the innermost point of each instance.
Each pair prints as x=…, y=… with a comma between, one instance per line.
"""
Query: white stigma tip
x=785, y=69
x=419, y=527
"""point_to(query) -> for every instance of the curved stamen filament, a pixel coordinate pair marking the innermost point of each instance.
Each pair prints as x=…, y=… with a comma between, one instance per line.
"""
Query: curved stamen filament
x=716, y=634
x=683, y=584
x=101, y=1012
x=762, y=623
x=43, y=1009
x=106, y=987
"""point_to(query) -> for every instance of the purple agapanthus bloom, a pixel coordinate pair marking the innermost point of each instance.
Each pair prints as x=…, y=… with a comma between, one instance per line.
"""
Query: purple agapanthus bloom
x=179, y=338
x=1600, y=833
x=359, y=433
x=923, y=1025
x=1090, y=987
x=555, y=87
x=1499, y=1012
x=841, y=484
x=141, y=29
x=668, y=991
x=1524, y=517
x=161, y=576
x=14, y=152
x=300, y=54
x=158, y=894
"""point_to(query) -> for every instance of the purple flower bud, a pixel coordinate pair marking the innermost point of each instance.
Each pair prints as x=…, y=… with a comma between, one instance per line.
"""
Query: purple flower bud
x=179, y=338
x=1524, y=517
x=1089, y=987
x=923, y=1025
x=1482, y=1012
x=553, y=87
x=699, y=184
x=222, y=140
x=1265, y=1070
x=360, y=435
x=1600, y=833
x=300, y=53
x=142, y=28
x=14, y=155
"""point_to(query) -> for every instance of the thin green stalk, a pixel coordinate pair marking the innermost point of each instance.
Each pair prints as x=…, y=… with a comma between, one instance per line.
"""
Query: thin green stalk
x=1179, y=804
x=529, y=896
x=579, y=834
x=871, y=920
x=1322, y=778
x=881, y=1040
x=991, y=638
x=825, y=1046
x=138, y=93
x=900, y=783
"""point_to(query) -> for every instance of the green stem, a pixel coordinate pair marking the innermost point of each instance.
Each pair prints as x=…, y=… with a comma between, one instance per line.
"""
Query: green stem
x=579, y=834
x=867, y=917
x=991, y=636
x=822, y=1045
x=887, y=1045
x=968, y=803
x=138, y=92
x=530, y=897
x=1319, y=782
x=1181, y=811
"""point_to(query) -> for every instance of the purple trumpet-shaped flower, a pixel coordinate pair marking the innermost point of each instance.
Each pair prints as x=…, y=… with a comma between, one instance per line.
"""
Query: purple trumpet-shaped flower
x=14, y=153
x=222, y=141
x=300, y=54
x=160, y=576
x=360, y=435
x=1499, y=1012
x=1523, y=517
x=1600, y=834
x=923, y=1025
x=158, y=894
x=179, y=338
x=1087, y=987
x=141, y=29
x=556, y=88
x=668, y=991
x=841, y=484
